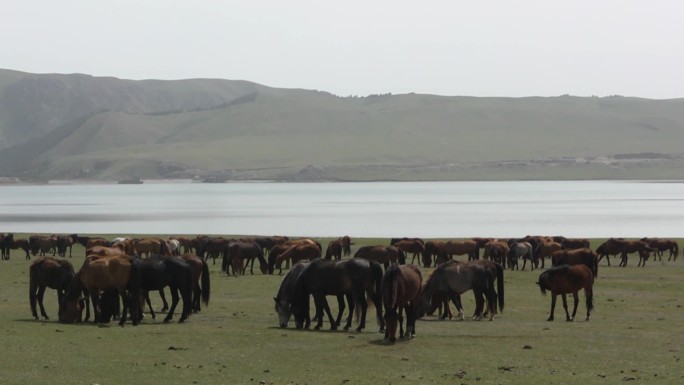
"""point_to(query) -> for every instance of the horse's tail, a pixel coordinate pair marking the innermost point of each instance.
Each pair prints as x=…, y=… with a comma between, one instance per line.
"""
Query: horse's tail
x=500, y=285
x=206, y=284
x=263, y=265
x=133, y=287
x=33, y=283
x=589, y=294
x=224, y=263
x=376, y=272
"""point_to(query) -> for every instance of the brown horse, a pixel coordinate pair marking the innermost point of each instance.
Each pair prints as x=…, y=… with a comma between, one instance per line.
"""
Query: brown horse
x=453, y=247
x=41, y=244
x=414, y=246
x=346, y=245
x=382, y=254
x=400, y=290
x=606, y=249
x=625, y=247
x=335, y=249
x=49, y=272
x=201, y=283
x=148, y=246
x=574, y=243
x=9, y=243
x=65, y=242
x=496, y=251
x=298, y=253
x=100, y=274
x=431, y=252
x=545, y=250
x=663, y=245
x=239, y=254
x=454, y=278
x=586, y=257
x=564, y=280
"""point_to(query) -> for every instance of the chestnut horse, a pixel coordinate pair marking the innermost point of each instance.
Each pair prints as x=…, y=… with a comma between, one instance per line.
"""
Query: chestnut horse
x=381, y=254
x=100, y=274
x=586, y=257
x=566, y=279
x=400, y=290
x=335, y=249
x=49, y=272
x=301, y=252
x=414, y=246
x=663, y=245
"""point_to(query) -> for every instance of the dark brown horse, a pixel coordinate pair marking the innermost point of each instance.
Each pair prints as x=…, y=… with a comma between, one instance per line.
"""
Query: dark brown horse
x=431, y=252
x=414, y=246
x=625, y=247
x=65, y=242
x=346, y=245
x=99, y=274
x=401, y=285
x=453, y=278
x=49, y=272
x=200, y=280
x=239, y=254
x=662, y=245
x=381, y=254
x=355, y=278
x=575, y=243
x=565, y=280
x=335, y=249
x=586, y=257
x=160, y=271
x=454, y=247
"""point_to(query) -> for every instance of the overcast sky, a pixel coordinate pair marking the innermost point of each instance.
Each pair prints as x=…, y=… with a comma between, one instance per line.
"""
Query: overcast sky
x=478, y=48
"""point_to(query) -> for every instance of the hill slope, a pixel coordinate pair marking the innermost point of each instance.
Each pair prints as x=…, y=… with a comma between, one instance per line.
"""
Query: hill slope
x=77, y=126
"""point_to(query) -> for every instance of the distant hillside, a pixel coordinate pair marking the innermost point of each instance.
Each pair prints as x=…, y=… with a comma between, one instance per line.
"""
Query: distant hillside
x=83, y=127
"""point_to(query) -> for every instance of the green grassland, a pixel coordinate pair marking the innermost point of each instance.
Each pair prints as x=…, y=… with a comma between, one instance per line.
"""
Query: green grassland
x=636, y=334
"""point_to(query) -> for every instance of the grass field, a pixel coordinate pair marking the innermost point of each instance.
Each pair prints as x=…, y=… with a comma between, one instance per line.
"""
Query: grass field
x=636, y=334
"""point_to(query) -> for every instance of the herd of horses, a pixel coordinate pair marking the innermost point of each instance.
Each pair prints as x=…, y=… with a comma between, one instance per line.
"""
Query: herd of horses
x=125, y=270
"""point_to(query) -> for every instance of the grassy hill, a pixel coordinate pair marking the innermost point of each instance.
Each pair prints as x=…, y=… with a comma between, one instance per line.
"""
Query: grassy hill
x=82, y=127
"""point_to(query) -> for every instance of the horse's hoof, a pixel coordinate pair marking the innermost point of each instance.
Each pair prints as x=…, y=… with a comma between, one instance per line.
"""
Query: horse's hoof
x=550, y=319
x=382, y=330
x=358, y=329
x=166, y=320
x=317, y=327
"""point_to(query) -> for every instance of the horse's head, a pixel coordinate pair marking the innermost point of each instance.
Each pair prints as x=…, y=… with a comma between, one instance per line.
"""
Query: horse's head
x=391, y=322
x=284, y=310
x=71, y=310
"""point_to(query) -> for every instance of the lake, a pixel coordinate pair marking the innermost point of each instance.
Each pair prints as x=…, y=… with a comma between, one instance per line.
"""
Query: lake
x=378, y=209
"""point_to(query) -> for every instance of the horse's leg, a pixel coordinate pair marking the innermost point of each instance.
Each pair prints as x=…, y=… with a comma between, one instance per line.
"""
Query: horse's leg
x=319, y=302
x=39, y=297
x=456, y=299
x=364, y=307
x=174, y=303
x=575, y=298
x=165, y=307
x=146, y=294
x=340, y=308
x=553, y=306
x=479, y=304
x=400, y=319
x=565, y=306
x=352, y=307
x=126, y=306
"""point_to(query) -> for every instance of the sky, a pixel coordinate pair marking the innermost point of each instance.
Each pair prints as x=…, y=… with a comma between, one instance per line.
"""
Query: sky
x=473, y=48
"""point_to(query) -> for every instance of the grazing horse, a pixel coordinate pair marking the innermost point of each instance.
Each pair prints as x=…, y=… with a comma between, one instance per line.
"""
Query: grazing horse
x=414, y=246
x=453, y=278
x=625, y=247
x=663, y=245
x=301, y=252
x=452, y=247
x=335, y=249
x=65, y=242
x=149, y=246
x=431, y=251
x=49, y=272
x=99, y=274
x=520, y=250
x=575, y=243
x=381, y=254
x=238, y=252
x=354, y=278
x=157, y=272
x=346, y=245
x=497, y=251
x=586, y=257
x=545, y=250
x=400, y=291
x=606, y=249
x=41, y=245
x=566, y=279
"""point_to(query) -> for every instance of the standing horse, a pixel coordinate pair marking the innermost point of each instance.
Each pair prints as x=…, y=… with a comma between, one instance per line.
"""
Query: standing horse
x=431, y=251
x=157, y=272
x=99, y=274
x=381, y=254
x=453, y=247
x=298, y=253
x=49, y=272
x=586, y=257
x=239, y=254
x=346, y=245
x=414, y=246
x=400, y=290
x=453, y=278
x=522, y=250
x=564, y=280
x=663, y=245
x=335, y=249
x=355, y=278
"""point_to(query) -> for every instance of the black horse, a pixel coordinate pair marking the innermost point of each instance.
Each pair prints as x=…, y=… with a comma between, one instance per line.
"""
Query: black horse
x=157, y=272
x=49, y=272
x=355, y=278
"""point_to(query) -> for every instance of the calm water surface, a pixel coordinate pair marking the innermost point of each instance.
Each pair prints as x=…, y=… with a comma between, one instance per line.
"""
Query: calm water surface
x=424, y=209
